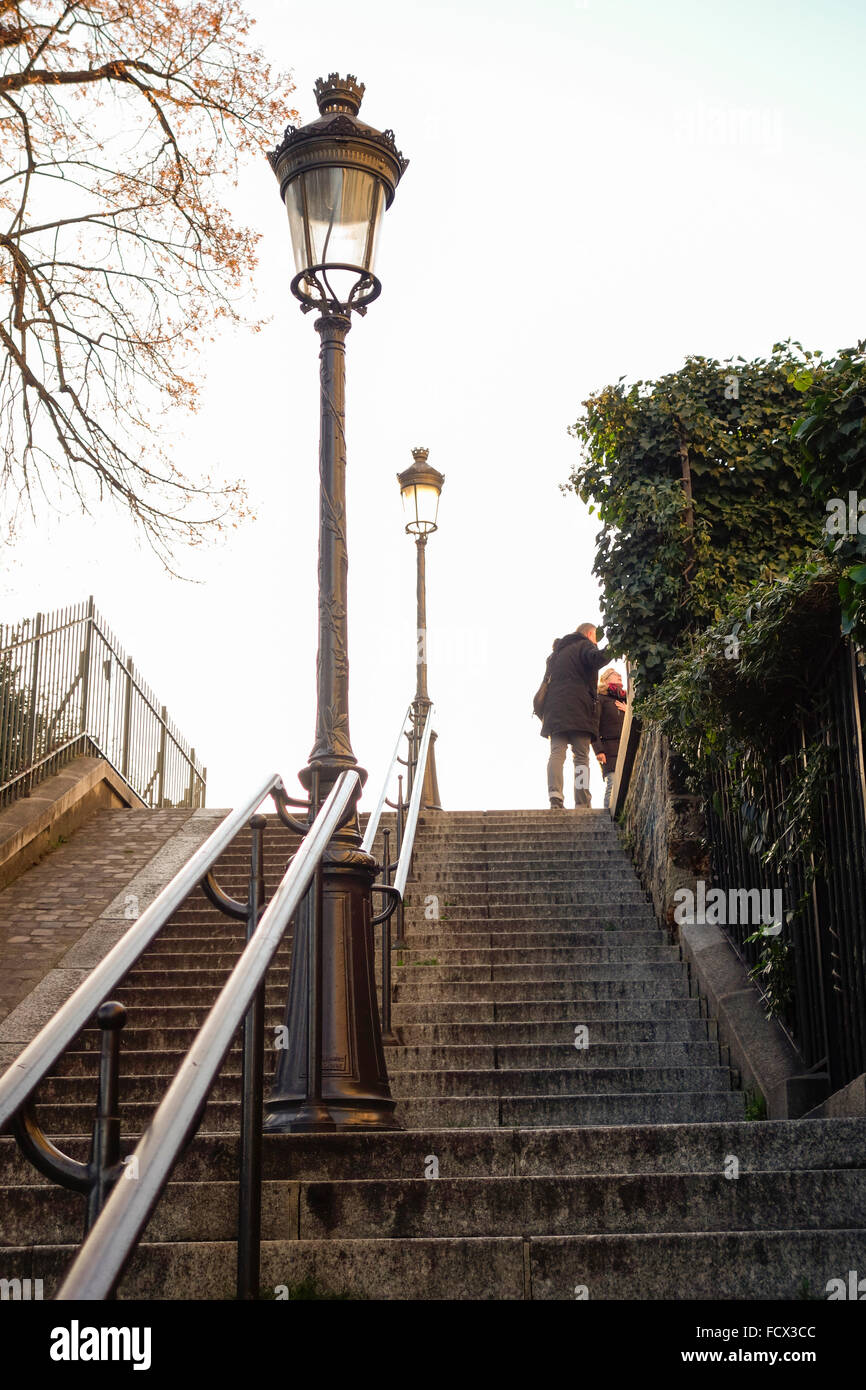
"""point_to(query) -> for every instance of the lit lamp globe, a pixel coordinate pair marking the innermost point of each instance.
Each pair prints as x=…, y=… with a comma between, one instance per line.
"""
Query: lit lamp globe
x=420, y=487
x=337, y=175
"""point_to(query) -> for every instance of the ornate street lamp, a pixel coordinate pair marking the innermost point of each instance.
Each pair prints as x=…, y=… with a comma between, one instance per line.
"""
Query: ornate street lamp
x=420, y=488
x=337, y=175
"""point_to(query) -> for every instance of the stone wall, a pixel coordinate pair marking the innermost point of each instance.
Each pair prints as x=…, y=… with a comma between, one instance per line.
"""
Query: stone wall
x=663, y=824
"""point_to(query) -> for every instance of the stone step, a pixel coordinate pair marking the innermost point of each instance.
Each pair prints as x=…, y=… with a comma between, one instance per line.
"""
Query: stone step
x=526, y=899
x=530, y=943
x=483, y=1269
x=198, y=943
x=164, y=1062
x=592, y=1204
x=582, y=1009
x=451, y=949
x=525, y=917
x=549, y=1081
x=470, y=1112
x=632, y=987
x=565, y=859
x=146, y=997
x=198, y=1211
x=773, y=1145
x=395, y=1209
x=499, y=958
x=173, y=1015
x=715, y=1266
x=433, y=1056
x=588, y=1077
x=554, y=843
x=219, y=960
x=604, y=1032
x=668, y=968
x=616, y=918
x=530, y=875
x=144, y=979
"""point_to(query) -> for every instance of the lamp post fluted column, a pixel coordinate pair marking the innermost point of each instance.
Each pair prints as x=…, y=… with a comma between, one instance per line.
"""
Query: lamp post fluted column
x=332, y=750
x=422, y=702
x=331, y=1074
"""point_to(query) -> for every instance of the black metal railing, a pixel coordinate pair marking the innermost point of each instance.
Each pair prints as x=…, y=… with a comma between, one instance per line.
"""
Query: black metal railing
x=66, y=688
x=117, y=1211
x=406, y=826
x=819, y=987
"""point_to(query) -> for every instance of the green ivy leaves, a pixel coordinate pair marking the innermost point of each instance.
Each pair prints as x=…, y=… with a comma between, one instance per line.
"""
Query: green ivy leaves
x=697, y=482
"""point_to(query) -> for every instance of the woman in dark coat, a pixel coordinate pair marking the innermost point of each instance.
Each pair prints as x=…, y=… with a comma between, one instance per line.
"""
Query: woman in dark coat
x=611, y=712
x=571, y=710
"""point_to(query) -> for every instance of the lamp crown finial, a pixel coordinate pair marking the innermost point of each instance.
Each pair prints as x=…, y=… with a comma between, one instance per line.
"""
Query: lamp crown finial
x=420, y=455
x=335, y=93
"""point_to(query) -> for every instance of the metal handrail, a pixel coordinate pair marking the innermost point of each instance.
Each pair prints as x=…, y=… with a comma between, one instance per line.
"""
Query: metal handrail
x=376, y=816
x=109, y=1245
x=408, y=845
x=395, y=892
x=40, y=1055
x=52, y=708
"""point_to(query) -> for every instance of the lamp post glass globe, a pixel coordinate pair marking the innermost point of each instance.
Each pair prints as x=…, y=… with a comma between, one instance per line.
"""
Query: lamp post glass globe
x=420, y=488
x=337, y=175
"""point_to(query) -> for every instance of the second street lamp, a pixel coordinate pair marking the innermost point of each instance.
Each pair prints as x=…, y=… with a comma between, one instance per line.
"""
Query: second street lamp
x=420, y=488
x=337, y=175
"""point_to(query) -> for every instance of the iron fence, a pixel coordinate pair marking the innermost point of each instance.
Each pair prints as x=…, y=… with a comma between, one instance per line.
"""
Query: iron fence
x=67, y=687
x=820, y=952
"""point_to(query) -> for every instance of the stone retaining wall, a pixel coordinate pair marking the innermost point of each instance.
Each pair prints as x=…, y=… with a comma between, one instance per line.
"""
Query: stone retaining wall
x=664, y=829
x=663, y=825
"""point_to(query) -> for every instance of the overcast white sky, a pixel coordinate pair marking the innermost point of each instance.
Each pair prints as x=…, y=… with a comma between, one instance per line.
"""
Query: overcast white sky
x=596, y=189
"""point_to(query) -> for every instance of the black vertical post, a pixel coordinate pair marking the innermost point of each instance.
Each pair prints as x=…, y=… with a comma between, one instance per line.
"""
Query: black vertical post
x=89, y=620
x=33, y=704
x=387, y=1035
x=252, y=1094
x=105, y=1143
x=400, y=942
x=127, y=718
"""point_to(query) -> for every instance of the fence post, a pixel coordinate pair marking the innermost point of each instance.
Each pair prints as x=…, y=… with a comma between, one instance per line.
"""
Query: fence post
x=191, y=793
x=858, y=725
x=127, y=717
x=31, y=712
x=85, y=665
x=160, y=762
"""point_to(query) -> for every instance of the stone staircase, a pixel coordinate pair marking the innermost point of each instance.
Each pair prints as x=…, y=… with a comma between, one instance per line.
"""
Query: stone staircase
x=570, y=1126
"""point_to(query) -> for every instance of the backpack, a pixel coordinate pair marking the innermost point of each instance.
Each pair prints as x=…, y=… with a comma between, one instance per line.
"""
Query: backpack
x=539, y=699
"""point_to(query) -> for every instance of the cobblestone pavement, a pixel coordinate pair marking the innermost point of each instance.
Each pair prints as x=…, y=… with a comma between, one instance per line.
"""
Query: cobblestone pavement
x=49, y=907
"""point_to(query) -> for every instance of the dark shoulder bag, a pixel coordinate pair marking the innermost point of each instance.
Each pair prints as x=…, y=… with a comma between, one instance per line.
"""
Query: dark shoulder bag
x=539, y=699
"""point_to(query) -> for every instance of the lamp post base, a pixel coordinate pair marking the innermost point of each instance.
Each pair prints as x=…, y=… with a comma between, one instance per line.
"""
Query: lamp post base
x=430, y=789
x=328, y=1119
x=353, y=1092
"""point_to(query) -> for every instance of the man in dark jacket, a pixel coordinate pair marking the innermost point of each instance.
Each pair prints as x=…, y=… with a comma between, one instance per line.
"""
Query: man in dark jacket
x=571, y=710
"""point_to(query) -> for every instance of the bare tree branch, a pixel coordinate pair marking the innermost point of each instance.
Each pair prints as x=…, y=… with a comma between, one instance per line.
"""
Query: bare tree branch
x=121, y=126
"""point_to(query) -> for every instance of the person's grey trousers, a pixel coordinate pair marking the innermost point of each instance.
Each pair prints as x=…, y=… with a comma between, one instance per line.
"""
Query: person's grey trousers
x=580, y=744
